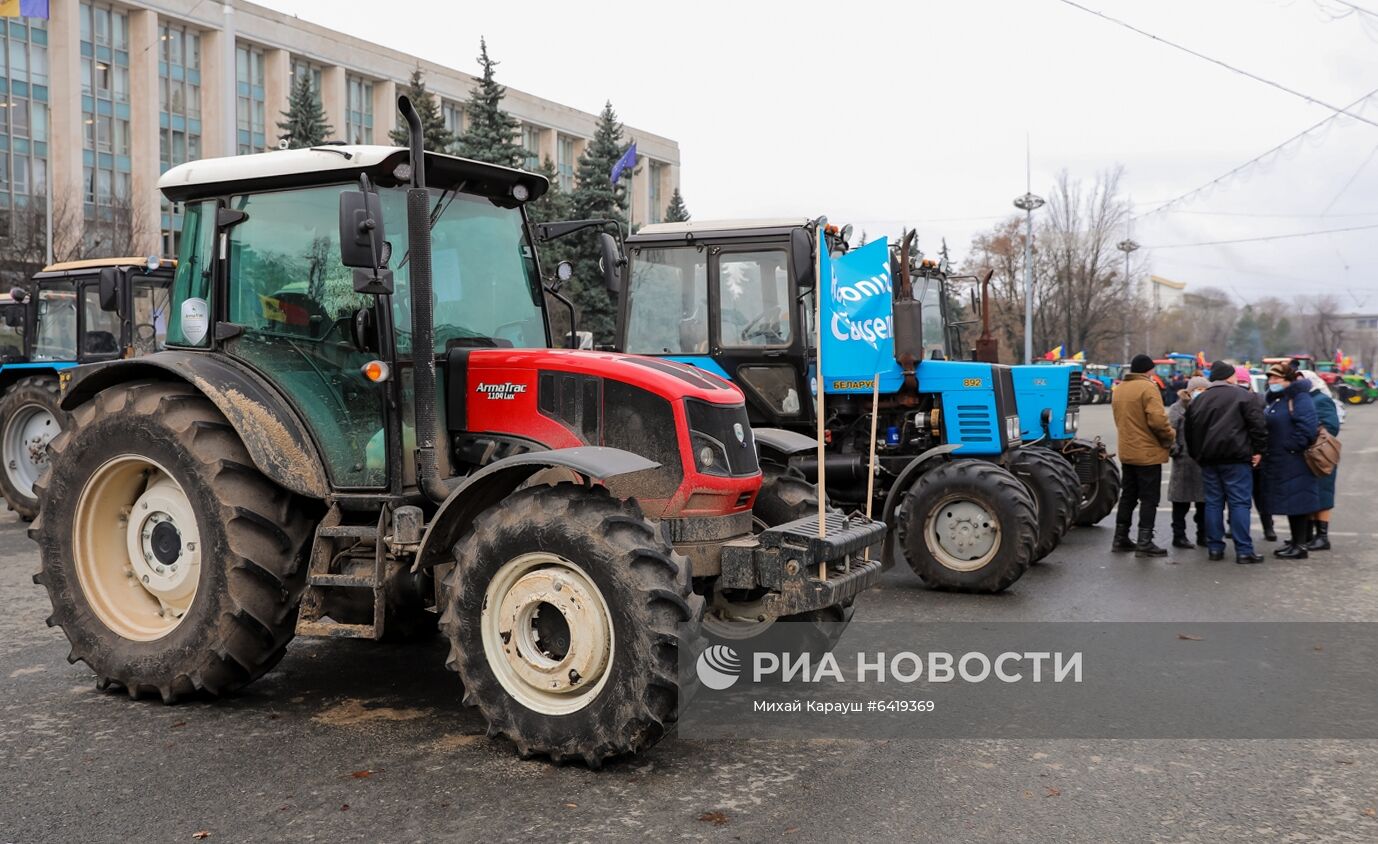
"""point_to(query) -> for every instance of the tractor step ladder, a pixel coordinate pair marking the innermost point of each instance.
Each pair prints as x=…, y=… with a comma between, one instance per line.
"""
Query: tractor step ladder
x=343, y=557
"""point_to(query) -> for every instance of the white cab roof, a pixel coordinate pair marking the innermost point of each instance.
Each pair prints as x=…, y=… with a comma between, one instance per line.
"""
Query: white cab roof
x=276, y=163
x=721, y=225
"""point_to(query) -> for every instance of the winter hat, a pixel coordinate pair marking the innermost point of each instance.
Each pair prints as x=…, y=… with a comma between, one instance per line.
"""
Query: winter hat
x=1141, y=364
x=1243, y=375
x=1283, y=371
x=1197, y=382
x=1221, y=371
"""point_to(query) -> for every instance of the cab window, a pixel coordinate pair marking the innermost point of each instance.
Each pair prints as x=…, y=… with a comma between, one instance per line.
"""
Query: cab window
x=753, y=298
x=56, y=338
x=100, y=335
x=667, y=304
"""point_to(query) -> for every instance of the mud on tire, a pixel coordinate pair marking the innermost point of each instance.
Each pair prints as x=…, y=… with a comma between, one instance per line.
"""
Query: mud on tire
x=249, y=583
x=932, y=507
x=21, y=401
x=643, y=585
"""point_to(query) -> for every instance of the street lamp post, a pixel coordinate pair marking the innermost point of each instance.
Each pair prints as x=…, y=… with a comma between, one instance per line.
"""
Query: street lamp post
x=1127, y=246
x=1028, y=203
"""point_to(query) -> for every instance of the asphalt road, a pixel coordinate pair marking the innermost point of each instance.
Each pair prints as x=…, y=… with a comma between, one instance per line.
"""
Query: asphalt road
x=349, y=741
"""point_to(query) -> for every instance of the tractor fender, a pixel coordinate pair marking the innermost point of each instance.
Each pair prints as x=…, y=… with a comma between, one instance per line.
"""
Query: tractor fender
x=777, y=445
x=278, y=441
x=501, y=478
x=903, y=481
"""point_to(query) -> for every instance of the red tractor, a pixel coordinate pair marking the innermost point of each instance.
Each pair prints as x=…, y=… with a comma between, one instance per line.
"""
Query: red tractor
x=357, y=430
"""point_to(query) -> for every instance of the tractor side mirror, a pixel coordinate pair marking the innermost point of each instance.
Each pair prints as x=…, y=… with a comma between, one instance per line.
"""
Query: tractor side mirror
x=610, y=261
x=14, y=316
x=110, y=286
x=801, y=255
x=363, y=241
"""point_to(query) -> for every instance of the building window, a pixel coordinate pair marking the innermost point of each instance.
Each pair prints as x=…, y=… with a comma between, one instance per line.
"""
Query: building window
x=358, y=110
x=104, y=112
x=251, y=129
x=564, y=162
x=301, y=67
x=531, y=142
x=23, y=124
x=454, y=118
x=179, y=91
x=657, y=209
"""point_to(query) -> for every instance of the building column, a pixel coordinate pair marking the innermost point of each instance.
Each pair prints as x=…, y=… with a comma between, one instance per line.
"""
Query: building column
x=384, y=111
x=277, y=86
x=546, y=152
x=66, y=130
x=333, y=98
x=217, y=125
x=145, y=135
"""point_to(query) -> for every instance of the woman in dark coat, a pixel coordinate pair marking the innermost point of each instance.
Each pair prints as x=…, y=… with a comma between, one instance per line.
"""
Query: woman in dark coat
x=1329, y=418
x=1289, y=488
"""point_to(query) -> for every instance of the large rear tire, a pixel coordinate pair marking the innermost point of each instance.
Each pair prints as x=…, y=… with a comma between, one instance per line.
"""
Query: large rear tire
x=172, y=564
x=1056, y=492
x=31, y=418
x=566, y=611
x=968, y=526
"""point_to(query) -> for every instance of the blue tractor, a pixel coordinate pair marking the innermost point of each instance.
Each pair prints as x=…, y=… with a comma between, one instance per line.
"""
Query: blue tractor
x=971, y=508
x=72, y=313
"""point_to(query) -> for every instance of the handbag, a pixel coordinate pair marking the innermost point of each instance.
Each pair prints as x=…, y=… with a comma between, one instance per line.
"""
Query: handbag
x=1323, y=455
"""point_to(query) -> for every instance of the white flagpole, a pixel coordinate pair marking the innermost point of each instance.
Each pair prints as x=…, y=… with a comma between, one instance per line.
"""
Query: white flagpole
x=871, y=466
x=818, y=383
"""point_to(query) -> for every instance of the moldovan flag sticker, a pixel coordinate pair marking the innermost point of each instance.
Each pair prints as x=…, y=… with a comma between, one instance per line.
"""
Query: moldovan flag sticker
x=24, y=9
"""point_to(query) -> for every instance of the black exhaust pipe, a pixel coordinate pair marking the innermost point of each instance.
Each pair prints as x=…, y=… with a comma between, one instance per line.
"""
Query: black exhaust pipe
x=422, y=308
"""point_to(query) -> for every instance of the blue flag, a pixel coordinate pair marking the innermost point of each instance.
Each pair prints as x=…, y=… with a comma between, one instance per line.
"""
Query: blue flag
x=858, y=341
x=33, y=8
x=626, y=162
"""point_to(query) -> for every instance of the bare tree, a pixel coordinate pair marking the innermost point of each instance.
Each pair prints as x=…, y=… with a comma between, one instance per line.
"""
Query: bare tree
x=1321, y=326
x=1087, y=291
x=116, y=230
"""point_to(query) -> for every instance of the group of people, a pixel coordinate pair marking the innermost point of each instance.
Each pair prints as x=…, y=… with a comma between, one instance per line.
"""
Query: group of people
x=1230, y=448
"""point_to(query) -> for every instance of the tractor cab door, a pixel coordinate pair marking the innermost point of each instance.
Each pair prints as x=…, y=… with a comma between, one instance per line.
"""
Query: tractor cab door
x=12, y=327
x=294, y=314
x=756, y=334
x=98, y=330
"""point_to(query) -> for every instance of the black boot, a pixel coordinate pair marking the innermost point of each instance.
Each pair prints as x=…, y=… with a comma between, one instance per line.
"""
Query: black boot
x=1179, y=540
x=1121, y=541
x=1269, y=535
x=1322, y=540
x=1290, y=551
x=1146, y=548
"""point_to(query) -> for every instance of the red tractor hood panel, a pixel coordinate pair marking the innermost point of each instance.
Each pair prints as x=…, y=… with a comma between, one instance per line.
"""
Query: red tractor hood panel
x=665, y=378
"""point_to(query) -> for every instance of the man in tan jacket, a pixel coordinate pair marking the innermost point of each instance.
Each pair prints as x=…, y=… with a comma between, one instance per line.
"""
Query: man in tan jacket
x=1144, y=436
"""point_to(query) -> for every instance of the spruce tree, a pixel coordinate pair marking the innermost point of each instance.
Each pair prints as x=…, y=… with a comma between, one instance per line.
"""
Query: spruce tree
x=676, y=211
x=595, y=196
x=491, y=132
x=305, y=124
x=555, y=205
x=438, y=138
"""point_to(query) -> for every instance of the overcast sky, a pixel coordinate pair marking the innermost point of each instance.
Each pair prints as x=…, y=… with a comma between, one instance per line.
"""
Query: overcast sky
x=886, y=113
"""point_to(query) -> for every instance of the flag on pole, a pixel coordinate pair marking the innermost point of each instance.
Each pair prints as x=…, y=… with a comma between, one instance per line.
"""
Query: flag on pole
x=1081, y=355
x=1055, y=353
x=1201, y=361
x=626, y=162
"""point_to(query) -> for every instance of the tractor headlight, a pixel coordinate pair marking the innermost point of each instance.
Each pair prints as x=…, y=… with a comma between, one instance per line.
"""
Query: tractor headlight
x=1012, y=428
x=1072, y=422
x=710, y=457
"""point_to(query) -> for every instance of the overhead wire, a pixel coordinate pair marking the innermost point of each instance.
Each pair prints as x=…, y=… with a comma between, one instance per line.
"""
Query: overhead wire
x=1263, y=238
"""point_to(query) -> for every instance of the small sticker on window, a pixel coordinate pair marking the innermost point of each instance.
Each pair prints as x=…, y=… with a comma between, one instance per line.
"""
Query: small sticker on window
x=195, y=320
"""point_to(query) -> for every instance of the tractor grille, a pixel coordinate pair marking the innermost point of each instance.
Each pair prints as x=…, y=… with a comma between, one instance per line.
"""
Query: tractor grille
x=975, y=424
x=1074, y=388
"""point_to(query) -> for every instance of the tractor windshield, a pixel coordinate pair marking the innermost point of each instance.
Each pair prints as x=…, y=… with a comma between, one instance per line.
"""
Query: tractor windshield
x=667, y=302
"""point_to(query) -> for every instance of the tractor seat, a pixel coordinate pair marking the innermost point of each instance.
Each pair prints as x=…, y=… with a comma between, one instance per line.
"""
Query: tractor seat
x=101, y=343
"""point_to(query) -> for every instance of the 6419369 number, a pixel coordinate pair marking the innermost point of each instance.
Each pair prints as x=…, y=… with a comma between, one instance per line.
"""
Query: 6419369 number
x=901, y=706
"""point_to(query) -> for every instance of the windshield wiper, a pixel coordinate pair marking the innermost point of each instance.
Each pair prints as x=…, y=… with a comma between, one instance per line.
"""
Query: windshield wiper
x=442, y=204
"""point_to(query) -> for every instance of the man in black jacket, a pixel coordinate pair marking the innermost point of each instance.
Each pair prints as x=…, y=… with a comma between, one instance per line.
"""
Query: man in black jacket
x=1227, y=435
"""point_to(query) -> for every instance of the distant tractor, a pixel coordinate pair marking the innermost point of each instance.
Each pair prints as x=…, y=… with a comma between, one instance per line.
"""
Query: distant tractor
x=358, y=430
x=736, y=299
x=76, y=312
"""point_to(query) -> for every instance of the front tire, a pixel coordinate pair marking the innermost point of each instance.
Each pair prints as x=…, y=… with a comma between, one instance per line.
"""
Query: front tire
x=32, y=419
x=1103, y=494
x=172, y=564
x=1056, y=492
x=968, y=526
x=566, y=611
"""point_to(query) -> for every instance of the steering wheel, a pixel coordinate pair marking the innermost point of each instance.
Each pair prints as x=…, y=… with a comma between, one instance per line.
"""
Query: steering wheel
x=770, y=331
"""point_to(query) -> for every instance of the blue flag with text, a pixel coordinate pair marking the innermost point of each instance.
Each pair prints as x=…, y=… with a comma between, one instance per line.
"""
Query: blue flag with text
x=857, y=342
